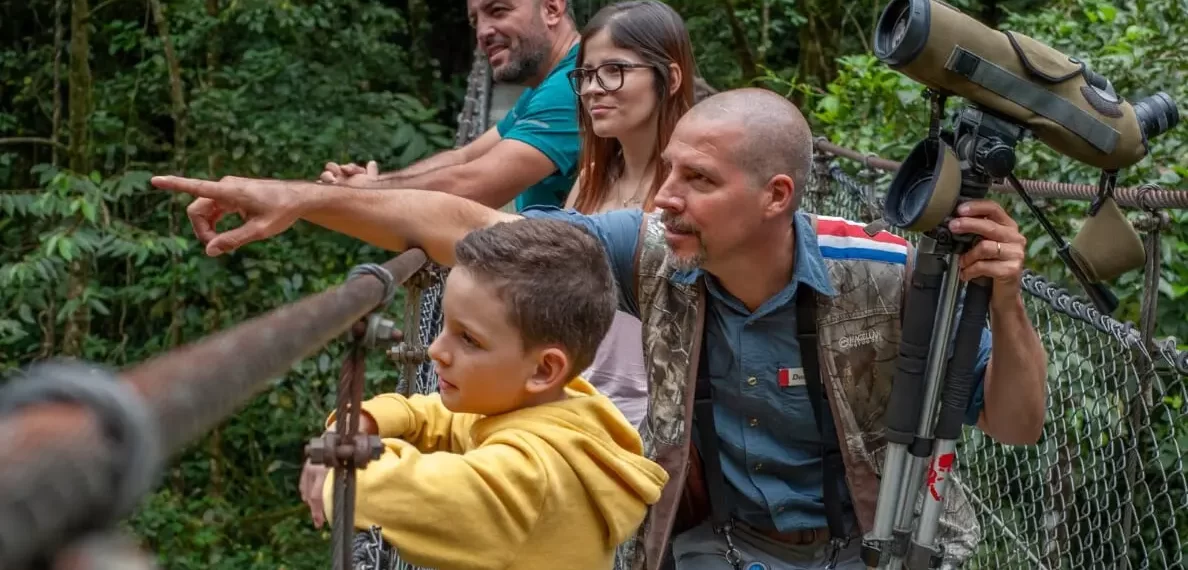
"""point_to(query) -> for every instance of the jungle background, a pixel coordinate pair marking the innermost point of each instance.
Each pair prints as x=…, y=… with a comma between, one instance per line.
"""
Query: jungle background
x=98, y=95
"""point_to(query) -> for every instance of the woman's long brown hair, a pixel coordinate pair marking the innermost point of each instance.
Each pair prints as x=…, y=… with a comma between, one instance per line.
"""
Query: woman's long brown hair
x=658, y=35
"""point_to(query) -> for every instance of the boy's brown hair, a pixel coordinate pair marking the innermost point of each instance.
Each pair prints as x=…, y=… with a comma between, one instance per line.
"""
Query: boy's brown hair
x=555, y=279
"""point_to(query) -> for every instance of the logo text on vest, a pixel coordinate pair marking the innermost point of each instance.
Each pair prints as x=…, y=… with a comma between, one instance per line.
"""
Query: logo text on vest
x=860, y=339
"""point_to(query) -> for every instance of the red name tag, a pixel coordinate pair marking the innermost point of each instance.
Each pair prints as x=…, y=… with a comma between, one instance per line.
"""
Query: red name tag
x=791, y=377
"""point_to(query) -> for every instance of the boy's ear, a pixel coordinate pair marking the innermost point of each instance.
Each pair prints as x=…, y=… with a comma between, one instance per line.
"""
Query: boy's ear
x=552, y=369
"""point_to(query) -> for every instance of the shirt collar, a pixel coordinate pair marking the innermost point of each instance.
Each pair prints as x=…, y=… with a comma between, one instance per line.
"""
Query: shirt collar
x=567, y=62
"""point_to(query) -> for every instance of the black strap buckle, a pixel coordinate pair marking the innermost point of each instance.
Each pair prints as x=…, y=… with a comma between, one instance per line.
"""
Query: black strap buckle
x=733, y=555
x=836, y=545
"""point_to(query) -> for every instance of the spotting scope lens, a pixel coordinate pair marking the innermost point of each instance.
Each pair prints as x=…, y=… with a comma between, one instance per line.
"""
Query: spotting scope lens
x=1156, y=114
x=902, y=31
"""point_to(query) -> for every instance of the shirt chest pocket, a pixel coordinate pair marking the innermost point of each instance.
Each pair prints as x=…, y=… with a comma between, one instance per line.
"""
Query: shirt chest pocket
x=773, y=399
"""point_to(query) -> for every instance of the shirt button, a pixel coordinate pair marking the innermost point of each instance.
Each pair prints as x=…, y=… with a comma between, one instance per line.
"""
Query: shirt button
x=752, y=381
x=754, y=422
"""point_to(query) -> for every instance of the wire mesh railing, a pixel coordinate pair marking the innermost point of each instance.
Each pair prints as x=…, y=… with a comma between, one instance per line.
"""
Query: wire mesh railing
x=1105, y=486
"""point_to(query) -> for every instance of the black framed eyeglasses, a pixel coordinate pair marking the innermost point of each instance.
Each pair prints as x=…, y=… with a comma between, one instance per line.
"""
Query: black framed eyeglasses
x=609, y=75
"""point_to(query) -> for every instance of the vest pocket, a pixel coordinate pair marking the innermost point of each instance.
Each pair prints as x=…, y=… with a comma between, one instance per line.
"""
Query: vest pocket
x=860, y=352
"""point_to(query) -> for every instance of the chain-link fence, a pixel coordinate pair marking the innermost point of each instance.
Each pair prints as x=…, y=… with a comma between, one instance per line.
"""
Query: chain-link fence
x=1105, y=486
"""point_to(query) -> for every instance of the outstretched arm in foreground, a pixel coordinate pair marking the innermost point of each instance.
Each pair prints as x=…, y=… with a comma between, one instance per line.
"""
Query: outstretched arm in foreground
x=397, y=221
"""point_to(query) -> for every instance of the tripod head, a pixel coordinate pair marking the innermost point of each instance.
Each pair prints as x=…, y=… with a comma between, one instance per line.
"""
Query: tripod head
x=960, y=163
x=931, y=183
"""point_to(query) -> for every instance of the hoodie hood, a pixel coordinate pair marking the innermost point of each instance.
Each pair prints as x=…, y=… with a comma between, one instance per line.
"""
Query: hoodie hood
x=602, y=447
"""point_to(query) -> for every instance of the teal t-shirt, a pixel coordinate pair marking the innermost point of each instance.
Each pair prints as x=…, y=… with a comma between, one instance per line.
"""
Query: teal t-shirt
x=546, y=118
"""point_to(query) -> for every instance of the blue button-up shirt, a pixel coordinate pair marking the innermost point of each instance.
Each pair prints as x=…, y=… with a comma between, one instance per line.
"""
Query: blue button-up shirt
x=768, y=438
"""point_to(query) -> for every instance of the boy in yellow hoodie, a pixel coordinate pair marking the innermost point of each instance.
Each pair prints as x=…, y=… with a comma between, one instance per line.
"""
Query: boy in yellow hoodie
x=516, y=463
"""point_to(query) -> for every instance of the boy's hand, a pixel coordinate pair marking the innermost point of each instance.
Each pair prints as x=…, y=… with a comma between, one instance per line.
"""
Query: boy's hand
x=313, y=479
x=313, y=476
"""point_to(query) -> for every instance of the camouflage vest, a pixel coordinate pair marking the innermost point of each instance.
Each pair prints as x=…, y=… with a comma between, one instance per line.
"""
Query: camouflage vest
x=859, y=333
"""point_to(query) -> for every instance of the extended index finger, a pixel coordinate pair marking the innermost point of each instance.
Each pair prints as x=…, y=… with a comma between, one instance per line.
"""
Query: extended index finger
x=192, y=186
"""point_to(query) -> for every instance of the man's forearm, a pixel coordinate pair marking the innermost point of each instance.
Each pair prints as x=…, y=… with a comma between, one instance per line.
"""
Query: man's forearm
x=1016, y=378
x=462, y=180
x=442, y=159
x=397, y=220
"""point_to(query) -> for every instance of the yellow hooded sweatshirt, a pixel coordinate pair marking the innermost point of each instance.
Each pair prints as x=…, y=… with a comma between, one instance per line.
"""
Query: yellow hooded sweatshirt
x=558, y=485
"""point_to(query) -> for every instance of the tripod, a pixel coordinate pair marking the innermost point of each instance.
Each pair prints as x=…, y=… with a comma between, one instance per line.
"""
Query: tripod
x=925, y=414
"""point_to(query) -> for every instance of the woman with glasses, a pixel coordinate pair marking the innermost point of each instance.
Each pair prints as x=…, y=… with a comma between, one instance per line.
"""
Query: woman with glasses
x=634, y=79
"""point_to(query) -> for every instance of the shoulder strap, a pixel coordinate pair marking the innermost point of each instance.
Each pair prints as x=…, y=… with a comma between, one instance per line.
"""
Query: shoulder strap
x=831, y=460
x=707, y=434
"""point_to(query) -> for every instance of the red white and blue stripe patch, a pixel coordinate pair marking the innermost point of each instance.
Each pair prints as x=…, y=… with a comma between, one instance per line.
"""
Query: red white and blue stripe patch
x=840, y=238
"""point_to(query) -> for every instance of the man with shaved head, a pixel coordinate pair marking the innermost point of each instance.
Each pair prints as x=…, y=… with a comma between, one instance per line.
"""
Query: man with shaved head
x=778, y=139
x=770, y=334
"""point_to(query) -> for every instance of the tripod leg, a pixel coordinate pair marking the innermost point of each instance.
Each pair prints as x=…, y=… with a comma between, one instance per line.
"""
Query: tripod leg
x=922, y=445
x=924, y=552
x=928, y=314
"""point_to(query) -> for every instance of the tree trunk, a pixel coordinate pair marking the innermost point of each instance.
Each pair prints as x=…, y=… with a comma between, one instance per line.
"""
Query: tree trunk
x=819, y=41
x=178, y=112
x=80, y=87
x=746, y=57
x=59, y=31
x=176, y=88
x=78, y=321
x=212, y=45
x=213, y=159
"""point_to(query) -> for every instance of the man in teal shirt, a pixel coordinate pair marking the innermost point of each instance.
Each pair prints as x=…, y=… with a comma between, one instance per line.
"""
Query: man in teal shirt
x=545, y=118
x=531, y=155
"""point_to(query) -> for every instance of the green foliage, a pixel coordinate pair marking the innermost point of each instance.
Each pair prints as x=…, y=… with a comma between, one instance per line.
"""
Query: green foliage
x=102, y=266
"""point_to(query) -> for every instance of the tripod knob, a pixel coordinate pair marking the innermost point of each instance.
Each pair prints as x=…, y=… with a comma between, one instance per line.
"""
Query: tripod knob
x=996, y=158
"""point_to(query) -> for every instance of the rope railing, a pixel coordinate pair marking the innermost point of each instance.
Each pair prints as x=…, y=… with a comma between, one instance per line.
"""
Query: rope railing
x=1146, y=196
x=83, y=445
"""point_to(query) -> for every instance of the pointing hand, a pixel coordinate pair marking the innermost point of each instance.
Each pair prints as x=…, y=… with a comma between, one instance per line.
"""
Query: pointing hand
x=268, y=207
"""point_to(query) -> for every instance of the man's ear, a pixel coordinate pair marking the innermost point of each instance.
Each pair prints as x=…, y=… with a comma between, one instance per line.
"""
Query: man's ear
x=675, y=75
x=781, y=192
x=554, y=11
x=552, y=369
